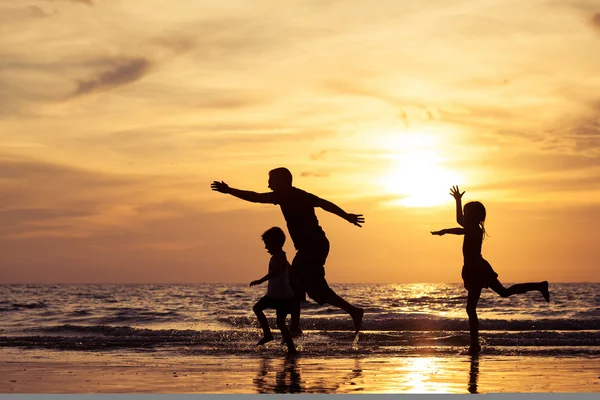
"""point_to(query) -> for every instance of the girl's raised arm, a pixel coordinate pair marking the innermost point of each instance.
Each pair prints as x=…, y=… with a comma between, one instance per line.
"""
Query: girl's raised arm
x=455, y=192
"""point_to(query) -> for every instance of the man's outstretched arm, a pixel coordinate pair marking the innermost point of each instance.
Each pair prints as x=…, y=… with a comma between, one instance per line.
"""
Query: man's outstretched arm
x=356, y=219
x=247, y=195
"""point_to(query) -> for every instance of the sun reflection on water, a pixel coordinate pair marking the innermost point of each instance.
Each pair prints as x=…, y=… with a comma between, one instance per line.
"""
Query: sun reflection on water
x=419, y=375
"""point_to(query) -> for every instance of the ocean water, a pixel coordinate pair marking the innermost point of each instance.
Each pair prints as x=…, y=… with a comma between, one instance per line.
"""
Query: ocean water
x=217, y=319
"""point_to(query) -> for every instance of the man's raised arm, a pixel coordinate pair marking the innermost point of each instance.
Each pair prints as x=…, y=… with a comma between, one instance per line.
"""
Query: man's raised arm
x=254, y=197
x=356, y=219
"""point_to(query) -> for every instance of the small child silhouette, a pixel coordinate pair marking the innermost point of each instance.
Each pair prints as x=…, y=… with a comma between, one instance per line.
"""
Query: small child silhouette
x=279, y=292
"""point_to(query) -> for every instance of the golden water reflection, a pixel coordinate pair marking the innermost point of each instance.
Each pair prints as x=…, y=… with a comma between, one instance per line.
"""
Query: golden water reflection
x=419, y=375
x=368, y=375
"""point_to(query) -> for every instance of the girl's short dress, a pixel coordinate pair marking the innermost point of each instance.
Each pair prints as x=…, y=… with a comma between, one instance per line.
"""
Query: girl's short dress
x=478, y=274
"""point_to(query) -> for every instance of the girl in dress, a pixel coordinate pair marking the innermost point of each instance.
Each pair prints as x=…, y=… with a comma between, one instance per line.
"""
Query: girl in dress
x=477, y=273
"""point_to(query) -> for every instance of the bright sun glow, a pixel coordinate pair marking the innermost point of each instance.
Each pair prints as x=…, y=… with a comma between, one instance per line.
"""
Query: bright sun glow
x=418, y=174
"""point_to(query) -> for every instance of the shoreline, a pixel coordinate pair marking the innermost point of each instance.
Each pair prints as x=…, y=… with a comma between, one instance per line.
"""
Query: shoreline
x=70, y=372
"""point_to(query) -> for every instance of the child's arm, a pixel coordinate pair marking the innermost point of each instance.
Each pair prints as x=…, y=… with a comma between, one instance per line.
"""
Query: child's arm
x=261, y=280
x=273, y=272
x=222, y=187
x=455, y=192
x=452, y=231
x=355, y=219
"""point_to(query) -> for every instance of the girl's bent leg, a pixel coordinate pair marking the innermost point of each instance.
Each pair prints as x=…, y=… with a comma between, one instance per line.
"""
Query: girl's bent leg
x=519, y=288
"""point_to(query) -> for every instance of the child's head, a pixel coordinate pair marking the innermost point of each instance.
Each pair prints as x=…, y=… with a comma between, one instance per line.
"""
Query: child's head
x=274, y=239
x=474, y=213
x=280, y=179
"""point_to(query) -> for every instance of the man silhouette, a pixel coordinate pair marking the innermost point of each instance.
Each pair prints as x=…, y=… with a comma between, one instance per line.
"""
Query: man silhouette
x=312, y=246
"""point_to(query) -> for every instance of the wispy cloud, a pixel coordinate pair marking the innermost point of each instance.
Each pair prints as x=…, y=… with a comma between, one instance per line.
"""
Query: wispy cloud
x=596, y=20
x=319, y=155
x=315, y=174
x=86, y=2
x=123, y=73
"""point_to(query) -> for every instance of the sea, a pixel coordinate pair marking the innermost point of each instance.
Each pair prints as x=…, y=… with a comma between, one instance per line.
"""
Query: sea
x=217, y=320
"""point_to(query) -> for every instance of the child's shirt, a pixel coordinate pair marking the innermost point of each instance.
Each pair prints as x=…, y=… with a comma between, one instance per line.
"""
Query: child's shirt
x=279, y=285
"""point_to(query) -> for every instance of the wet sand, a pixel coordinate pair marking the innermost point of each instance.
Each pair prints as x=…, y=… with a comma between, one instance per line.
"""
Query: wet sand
x=70, y=372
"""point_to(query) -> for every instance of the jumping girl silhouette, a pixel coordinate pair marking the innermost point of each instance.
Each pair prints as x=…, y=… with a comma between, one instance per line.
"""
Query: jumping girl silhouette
x=477, y=273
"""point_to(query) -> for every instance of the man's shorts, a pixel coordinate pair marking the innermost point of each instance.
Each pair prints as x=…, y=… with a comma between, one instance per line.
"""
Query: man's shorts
x=309, y=272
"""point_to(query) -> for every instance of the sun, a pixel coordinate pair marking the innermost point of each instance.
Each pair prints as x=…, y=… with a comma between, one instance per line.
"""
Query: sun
x=418, y=174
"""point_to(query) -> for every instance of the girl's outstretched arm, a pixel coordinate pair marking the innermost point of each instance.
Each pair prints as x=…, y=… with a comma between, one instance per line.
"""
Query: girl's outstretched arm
x=452, y=231
x=455, y=192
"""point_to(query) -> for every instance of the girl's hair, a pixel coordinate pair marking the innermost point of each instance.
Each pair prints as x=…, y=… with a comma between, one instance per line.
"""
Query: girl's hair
x=477, y=212
x=274, y=235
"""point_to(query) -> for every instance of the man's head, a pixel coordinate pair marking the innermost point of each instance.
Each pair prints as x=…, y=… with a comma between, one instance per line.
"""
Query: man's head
x=280, y=179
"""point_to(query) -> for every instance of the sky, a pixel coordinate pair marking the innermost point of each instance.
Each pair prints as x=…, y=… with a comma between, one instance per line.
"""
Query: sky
x=116, y=115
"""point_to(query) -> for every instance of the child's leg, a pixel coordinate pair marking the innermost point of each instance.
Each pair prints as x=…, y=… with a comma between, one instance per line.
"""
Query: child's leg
x=472, y=300
x=258, y=308
x=285, y=333
x=519, y=288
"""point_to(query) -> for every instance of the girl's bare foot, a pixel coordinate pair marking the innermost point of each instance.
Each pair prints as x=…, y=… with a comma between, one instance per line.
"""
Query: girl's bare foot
x=474, y=349
x=265, y=339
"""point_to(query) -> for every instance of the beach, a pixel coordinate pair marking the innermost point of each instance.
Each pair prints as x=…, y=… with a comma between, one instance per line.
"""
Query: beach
x=202, y=339
x=270, y=373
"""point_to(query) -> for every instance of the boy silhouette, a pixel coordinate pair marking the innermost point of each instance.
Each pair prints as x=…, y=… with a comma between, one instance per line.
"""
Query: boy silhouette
x=312, y=246
x=280, y=295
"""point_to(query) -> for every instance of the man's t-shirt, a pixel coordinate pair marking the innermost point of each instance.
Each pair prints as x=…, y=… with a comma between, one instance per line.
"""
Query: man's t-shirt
x=298, y=208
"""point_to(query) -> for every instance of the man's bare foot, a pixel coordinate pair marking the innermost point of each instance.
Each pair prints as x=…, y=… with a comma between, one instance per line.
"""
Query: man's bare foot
x=545, y=291
x=474, y=349
x=292, y=351
x=265, y=339
x=296, y=332
x=357, y=317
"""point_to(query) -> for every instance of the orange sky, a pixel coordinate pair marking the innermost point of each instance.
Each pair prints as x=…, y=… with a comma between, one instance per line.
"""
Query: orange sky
x=115, y=116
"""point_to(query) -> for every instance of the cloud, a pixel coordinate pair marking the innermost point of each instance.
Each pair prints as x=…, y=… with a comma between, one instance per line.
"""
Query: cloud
x=315, y=174
x=596, y=20
x=184, y=143
x=410, y=110
x=39, y=197
x=318, y=156
x=86, y=2
x=27, y=221
x=126, y=71
x=567, y=181
x=20, y=14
